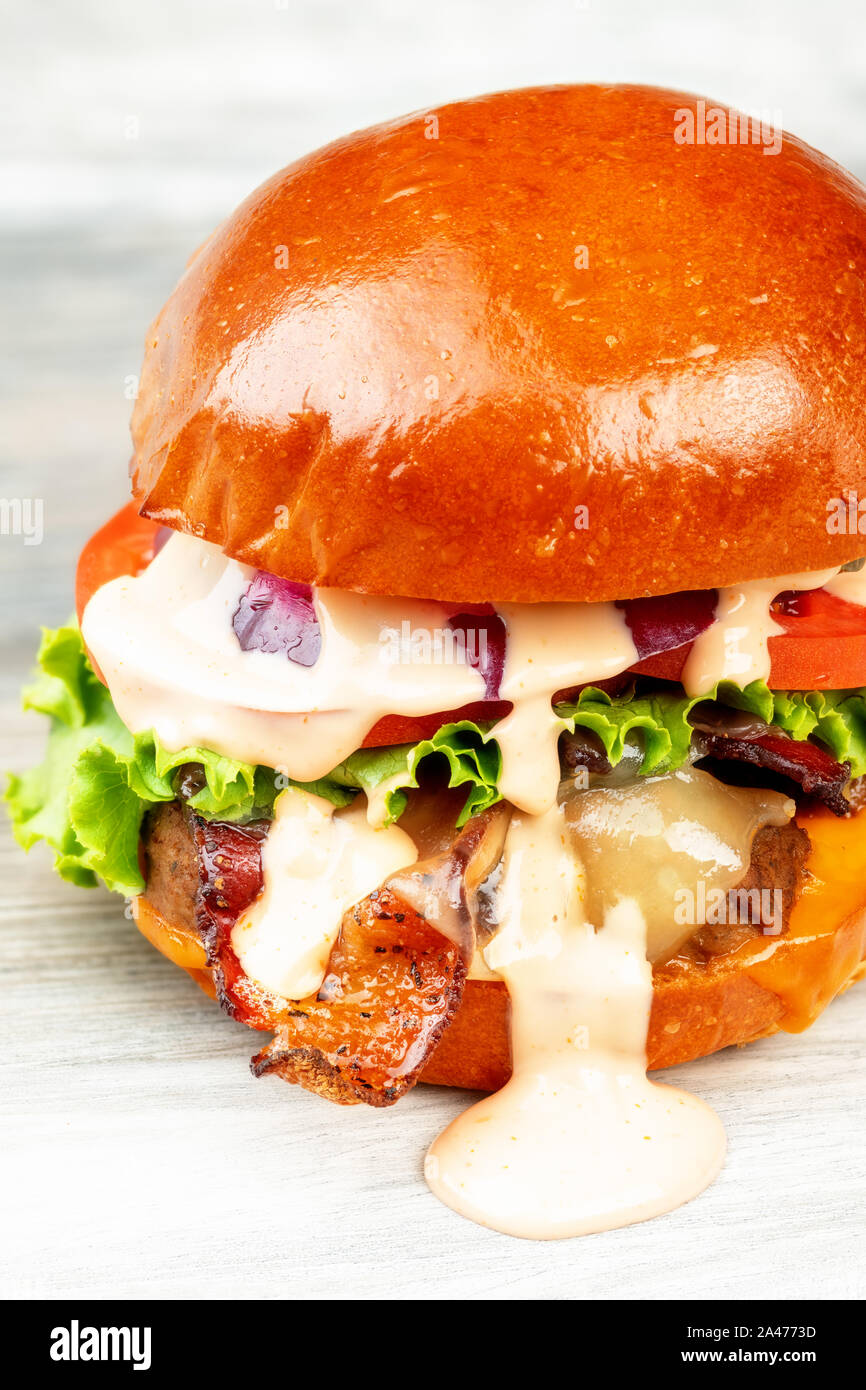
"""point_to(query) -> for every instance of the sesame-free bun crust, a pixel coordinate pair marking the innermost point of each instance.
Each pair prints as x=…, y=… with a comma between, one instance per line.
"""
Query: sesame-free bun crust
x=695, y=1012
x=407, y=361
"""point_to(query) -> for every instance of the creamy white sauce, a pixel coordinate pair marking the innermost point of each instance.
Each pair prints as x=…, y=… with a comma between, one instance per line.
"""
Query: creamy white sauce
x=549, y=647
x=849, y=585
x=317, y=862
x=165, y=644
x=579, y=1139
x=736, y=646
x=172, y=661
x=377, y=797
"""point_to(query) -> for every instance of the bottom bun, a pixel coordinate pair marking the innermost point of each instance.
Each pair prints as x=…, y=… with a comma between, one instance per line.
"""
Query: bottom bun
x=767, y=984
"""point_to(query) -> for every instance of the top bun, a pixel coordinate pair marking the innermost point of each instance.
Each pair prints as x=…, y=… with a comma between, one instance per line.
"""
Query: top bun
x=527, y=347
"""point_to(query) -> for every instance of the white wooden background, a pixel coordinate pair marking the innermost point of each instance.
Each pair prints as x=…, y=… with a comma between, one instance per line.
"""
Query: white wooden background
x=138, y=1156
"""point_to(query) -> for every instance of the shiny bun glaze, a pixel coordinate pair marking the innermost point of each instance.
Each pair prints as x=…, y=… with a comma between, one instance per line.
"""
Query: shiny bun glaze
x=384, y=372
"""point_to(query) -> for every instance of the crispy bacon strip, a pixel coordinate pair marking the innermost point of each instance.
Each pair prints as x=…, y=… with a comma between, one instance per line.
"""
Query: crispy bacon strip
x=230, y=879
x=393, y=985
x=805, y=763
x=396, y=972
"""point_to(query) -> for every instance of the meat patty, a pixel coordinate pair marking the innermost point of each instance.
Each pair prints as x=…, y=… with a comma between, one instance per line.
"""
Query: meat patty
x=779, y=854
x=171, y=873
x=778, y=860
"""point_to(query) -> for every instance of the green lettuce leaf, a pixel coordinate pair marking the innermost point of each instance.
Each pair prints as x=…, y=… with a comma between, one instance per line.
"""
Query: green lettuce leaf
x=470, y=753
x=88, y=796
x=659, y=718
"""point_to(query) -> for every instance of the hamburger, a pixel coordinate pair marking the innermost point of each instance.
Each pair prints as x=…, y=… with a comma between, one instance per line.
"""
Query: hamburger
x=474, y=690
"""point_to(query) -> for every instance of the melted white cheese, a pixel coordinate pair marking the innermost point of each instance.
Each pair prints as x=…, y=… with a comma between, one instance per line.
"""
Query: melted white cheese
x=579, y=1139
x=316, y=864
x=657, y=838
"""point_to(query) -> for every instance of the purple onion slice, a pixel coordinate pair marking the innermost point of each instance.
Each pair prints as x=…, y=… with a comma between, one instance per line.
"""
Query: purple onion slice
x=669, y=620
x=484, y=646
x=277, y=615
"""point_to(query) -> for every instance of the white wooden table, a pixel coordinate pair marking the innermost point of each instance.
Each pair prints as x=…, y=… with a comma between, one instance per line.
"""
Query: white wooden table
x=138, y=1155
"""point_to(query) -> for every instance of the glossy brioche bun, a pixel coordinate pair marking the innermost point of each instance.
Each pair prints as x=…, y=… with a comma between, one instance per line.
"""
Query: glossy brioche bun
x=695, y=1012
x=386, y=372
x=781, y=982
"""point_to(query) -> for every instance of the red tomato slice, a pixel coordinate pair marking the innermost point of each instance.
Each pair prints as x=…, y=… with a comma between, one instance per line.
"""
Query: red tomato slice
x=124, y=545
x=824, y=646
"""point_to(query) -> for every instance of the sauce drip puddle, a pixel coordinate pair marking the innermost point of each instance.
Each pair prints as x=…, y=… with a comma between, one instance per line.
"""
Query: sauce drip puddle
x=579, y=1140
